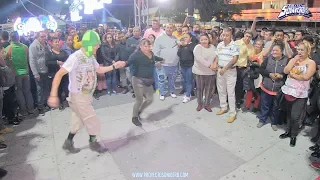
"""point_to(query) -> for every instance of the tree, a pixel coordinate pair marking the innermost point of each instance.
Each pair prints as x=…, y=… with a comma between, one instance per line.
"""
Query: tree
x=220, y=9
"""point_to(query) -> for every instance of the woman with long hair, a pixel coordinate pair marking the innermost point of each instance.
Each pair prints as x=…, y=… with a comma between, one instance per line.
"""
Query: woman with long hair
x=204, y=57
x=300, y=70
x=110, y=54
x=142, y=62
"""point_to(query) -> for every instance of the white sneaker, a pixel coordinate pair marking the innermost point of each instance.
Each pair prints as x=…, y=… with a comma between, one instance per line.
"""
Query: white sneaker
x=173, y=95
x=161, y=98
x=186, y=99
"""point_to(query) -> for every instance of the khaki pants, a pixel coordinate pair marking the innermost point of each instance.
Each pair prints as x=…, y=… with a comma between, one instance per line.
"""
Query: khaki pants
x=83, y=114
x=226, y=89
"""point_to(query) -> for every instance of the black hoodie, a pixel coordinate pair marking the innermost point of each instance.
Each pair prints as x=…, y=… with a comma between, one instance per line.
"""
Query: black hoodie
x=186, y=56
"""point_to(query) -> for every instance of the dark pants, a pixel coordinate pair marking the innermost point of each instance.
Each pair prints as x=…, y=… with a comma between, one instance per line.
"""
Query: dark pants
x=269, y=108
x=141, y=91
x=118, y=75
x=42, y=90
x=63, y=89
x=23, y=94
x=187, y=80
x=205, y=86
x=112, y=81
x=239, y=85
x=33, y=88
x=9, y=103
x=295, y=115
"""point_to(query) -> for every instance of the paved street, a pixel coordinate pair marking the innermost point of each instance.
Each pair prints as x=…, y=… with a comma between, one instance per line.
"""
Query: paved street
x=174, y=138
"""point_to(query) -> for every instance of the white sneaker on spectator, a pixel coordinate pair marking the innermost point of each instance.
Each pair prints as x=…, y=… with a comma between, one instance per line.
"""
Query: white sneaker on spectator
x=186, y=99
x=162, y=97
x=173, y=95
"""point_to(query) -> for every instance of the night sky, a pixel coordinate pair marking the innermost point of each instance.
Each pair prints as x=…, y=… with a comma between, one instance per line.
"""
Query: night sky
x=12, y=9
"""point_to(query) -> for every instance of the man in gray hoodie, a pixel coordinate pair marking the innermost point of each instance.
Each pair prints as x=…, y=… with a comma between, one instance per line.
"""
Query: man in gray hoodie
x=37, y=60
x=166, y=46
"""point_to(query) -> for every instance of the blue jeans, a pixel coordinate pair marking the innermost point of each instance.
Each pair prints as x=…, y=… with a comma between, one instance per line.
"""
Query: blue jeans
x=187, y=79
x=42, y=90
x=269, y=108
x=112, y=80
x=156, y=80
x=170, y=72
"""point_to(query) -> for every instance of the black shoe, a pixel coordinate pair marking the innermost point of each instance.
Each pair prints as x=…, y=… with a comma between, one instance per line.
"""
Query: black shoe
x=135, y=121
x=3, y=173
x=14, y=122
x=245, y=109
x=182, y=91
x=42, y=111
x=3, y=146
x=69, y=146
x=61, y=107
x=314, y=148
x=285, y=135
x=316, y=138
x=238, y=105
x=316, y=154
x=293, y=141
x=255, y=110
x=97, y=147
x=133, y=95
x=192, y=93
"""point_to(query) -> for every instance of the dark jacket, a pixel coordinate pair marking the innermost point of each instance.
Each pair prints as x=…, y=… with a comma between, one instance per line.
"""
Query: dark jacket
x=141, y=65
x=270, y=65
x=250, y=74
x=109, y=54
x=132, y=44
x=186, y=56
x=315, y=55
x=52, y=59
x=99, y=56
x=123, y=52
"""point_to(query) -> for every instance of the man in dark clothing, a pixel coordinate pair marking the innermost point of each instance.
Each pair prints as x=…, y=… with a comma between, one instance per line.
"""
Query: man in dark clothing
x=123, y=56
x=5, y=39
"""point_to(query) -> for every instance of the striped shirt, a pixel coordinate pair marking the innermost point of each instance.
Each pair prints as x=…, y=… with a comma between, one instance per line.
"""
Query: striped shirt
x=226, y=53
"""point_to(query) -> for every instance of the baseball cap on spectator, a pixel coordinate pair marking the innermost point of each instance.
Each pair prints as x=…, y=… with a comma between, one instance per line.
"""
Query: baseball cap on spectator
x=264, y=29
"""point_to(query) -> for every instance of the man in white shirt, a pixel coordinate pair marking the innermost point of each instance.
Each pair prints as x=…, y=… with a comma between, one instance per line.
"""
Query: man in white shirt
x=228, y=52
x=82, y=67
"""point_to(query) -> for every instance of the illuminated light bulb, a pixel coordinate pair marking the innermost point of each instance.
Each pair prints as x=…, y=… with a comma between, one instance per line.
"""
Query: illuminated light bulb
x=80, y=7
x=66, y=2
x=58, y=0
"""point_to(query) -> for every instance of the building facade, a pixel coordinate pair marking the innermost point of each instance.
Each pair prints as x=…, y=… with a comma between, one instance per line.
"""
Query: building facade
x=270, y=9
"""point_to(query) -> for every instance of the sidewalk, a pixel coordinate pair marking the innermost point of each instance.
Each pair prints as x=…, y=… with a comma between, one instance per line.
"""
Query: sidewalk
x=174, y=138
